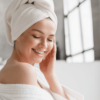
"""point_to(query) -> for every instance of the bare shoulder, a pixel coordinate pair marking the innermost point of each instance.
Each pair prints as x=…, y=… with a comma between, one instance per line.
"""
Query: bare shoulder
x=20, y=73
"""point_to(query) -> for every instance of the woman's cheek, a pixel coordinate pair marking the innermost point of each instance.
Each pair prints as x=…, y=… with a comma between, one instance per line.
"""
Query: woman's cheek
x=50, y=47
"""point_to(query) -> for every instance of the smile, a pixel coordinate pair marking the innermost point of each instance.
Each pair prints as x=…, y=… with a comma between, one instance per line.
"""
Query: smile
x=38, y=51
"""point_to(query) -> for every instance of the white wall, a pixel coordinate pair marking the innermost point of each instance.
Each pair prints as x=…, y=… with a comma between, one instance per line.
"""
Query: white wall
x=83, y=78
x=5, y=48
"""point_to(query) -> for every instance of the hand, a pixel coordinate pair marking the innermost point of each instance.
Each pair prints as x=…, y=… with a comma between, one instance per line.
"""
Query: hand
x=47, y=65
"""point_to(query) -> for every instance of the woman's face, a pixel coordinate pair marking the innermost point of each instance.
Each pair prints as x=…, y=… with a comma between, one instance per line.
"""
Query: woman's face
x=36, y=42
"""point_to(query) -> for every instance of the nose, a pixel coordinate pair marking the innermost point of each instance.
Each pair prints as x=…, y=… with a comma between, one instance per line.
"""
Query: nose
x=43, y=44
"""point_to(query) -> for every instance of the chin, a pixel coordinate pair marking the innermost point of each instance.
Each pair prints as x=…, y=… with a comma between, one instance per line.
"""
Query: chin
x=38, y=60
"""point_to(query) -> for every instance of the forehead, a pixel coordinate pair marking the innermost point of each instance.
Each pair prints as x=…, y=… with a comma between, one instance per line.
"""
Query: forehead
x=45, y=25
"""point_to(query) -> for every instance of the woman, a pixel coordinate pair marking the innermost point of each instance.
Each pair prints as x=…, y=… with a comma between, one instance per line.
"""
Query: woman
x=30, y=27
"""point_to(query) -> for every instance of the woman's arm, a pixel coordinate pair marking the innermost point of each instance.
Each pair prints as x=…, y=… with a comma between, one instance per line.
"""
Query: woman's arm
x=47, y=67
x=55, y=86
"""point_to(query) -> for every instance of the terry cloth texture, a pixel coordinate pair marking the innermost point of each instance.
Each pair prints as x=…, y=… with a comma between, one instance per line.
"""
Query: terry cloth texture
x=22, y=14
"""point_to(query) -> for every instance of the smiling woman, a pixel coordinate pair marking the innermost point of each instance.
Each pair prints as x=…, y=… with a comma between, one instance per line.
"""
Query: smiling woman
x=36, y=42
x=30, y=27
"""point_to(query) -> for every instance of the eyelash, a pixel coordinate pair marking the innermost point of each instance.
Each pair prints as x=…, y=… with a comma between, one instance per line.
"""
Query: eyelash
x=39, y=37
x=35, y=36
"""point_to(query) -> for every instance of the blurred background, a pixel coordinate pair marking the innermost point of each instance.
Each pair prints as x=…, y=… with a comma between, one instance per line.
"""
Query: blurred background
x=78, y=45
x=77, y=36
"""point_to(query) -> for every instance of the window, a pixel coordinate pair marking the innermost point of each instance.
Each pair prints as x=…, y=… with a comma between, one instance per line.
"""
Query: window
x=78, y=31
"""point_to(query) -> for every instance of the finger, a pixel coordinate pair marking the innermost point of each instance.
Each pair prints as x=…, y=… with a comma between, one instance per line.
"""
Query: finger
x=54, y=49
x=54, y=40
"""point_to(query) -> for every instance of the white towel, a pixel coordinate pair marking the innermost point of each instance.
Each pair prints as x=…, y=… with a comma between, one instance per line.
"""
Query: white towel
x=21, y=14
x=23, y=92
x=31, y=92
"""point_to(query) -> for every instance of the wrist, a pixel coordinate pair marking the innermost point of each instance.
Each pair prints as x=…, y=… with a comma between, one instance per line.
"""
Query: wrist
x=50, y=76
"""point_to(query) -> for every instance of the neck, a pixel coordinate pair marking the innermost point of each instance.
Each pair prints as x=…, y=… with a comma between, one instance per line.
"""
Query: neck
x=16, y=56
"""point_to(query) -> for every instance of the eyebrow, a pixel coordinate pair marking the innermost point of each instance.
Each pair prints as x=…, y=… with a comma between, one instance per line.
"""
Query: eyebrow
x=41, y=32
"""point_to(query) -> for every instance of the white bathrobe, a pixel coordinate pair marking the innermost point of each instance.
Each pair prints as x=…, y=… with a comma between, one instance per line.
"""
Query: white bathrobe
x=30, y=92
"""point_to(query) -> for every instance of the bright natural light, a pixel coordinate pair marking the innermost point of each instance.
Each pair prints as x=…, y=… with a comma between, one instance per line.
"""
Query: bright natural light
x=72, y=4
x=67, y=46
x=87, y=27
x=89, y=56
x=78, y=58
x=78, y=31
x=66, y=26
x=69, y=59
x=65, y=7
x=81, y=0
x=75, y=33
x=67, y=37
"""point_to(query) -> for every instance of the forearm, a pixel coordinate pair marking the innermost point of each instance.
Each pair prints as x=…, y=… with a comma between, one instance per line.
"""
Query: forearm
x=55, y=86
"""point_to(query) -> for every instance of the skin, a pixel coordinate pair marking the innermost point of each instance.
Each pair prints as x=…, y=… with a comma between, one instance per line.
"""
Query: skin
x=40, y=37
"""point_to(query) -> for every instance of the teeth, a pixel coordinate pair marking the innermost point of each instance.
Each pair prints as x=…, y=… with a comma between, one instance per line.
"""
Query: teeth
x=38, y=51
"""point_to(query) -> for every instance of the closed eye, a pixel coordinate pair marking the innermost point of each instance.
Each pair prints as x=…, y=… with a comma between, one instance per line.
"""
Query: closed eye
x=50, y=40
x=35, y=36
x=40, y=37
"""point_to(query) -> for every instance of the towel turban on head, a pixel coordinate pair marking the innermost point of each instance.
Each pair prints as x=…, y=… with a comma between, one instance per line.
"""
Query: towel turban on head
x=21, y=14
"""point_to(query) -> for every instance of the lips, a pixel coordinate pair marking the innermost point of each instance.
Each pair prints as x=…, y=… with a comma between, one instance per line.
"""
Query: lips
x=38, y=51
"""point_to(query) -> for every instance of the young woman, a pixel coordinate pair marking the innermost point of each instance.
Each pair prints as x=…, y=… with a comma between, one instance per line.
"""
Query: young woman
x=30, y=27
